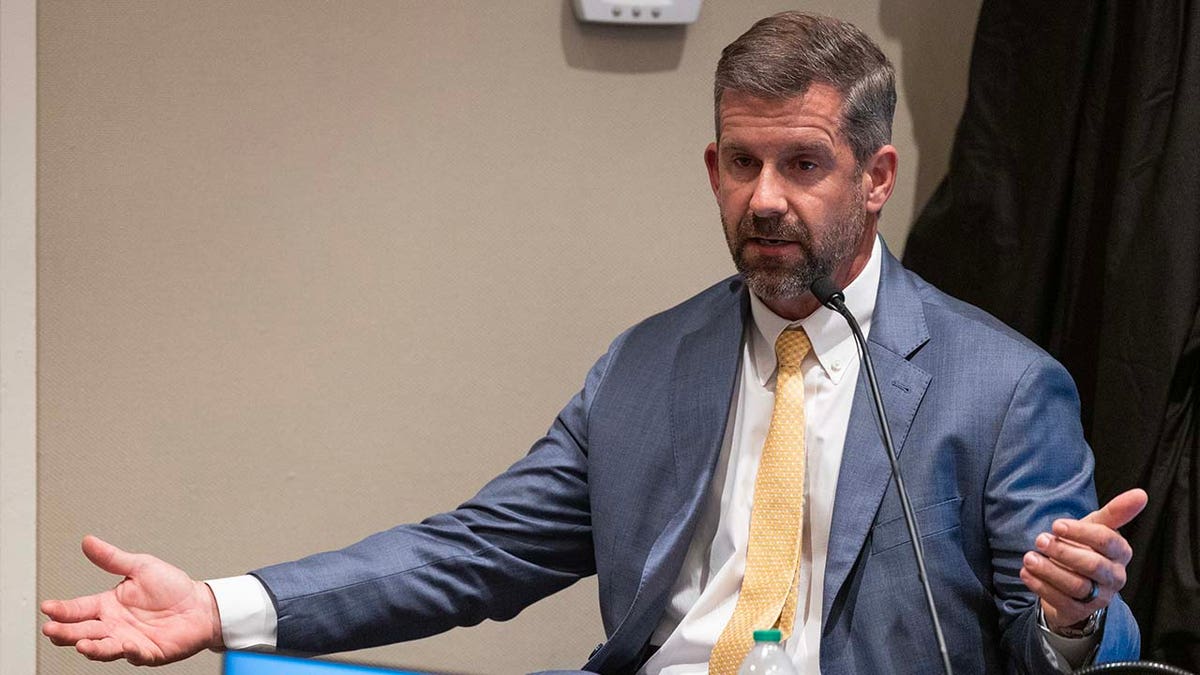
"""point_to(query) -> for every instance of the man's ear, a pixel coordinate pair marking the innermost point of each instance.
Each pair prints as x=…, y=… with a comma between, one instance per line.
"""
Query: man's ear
x=710, y=161
x=879, y=178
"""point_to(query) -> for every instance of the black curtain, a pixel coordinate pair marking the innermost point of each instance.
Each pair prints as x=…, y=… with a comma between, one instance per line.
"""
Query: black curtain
x=1071, y=210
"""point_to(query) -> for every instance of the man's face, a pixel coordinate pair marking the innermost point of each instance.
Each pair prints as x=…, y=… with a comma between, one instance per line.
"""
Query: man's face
x=793, y=202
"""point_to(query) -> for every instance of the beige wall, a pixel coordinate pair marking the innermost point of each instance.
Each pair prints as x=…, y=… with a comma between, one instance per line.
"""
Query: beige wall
x=311, y=269
x=18, y=338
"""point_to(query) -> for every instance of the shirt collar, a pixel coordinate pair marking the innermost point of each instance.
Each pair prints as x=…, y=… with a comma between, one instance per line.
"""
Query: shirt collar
x=832, y=341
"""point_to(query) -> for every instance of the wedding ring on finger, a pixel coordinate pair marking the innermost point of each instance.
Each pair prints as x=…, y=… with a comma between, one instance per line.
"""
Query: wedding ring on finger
x=1092, y=595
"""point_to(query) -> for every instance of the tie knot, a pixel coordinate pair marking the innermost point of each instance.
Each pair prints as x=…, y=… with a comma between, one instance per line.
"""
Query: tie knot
x=791, y=348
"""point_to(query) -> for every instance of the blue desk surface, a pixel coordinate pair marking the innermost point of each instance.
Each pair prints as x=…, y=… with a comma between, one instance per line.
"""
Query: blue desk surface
x=251, y=663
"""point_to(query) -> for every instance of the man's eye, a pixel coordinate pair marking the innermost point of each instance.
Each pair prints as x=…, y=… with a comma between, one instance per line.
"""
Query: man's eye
x=805, y=165
x=743, y=162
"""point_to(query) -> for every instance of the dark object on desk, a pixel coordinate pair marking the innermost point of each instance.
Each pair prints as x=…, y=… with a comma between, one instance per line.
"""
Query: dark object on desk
x=1132, y=668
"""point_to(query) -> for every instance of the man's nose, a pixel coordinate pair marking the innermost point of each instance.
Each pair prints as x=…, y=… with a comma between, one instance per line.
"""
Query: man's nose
x=768, y=199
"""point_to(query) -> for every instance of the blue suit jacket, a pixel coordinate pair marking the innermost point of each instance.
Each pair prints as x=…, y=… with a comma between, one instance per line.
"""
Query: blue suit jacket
x=988, y=434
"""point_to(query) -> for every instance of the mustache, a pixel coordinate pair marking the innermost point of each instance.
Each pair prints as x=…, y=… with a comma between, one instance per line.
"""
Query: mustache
x=776, y=227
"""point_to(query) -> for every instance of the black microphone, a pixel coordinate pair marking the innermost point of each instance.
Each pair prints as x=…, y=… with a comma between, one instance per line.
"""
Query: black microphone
x=831, y=296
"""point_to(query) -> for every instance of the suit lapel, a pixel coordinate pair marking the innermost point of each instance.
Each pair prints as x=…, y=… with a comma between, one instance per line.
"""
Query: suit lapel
x=897, y=330
x=703, y=381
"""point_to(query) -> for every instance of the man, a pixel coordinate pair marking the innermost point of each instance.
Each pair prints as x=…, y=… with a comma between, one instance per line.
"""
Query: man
x=721, y=470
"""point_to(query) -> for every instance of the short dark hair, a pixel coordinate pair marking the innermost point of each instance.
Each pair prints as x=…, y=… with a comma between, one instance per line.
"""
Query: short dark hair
x=781, y=56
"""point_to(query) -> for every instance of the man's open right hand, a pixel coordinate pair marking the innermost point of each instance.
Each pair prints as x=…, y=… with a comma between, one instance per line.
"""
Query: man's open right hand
x=156, y=615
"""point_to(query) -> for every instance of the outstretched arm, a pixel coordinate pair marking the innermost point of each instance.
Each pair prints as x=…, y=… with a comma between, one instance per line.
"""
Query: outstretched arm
x=156, y=615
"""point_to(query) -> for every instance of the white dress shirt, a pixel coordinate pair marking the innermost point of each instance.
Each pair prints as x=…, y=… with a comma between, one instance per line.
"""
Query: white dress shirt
x=704, y=596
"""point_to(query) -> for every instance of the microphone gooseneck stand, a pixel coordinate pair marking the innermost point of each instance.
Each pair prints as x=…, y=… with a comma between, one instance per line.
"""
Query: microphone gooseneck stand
x=828, y=294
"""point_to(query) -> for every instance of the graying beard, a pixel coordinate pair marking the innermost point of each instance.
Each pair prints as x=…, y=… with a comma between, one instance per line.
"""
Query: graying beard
x=790, y=285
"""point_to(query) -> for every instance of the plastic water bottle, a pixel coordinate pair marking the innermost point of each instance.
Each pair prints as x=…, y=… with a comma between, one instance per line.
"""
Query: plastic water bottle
x=767, y=656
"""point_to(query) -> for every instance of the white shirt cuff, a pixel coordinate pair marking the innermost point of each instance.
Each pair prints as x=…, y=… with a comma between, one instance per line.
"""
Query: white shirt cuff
x=1068, y=654
x=248, y=619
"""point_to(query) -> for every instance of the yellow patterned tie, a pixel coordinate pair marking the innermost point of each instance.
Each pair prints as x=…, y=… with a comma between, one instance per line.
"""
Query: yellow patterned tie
x=767, y=598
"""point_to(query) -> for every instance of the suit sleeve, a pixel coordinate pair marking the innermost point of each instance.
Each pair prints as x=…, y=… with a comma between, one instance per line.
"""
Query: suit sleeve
x=525, y=535
x=1041, y=470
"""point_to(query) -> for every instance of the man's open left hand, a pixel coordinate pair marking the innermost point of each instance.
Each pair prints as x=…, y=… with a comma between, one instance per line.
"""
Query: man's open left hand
x=1077, y=554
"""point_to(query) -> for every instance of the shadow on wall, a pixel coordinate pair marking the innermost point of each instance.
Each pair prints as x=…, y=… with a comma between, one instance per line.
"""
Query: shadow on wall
x=620, y=49
x=935, y=39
